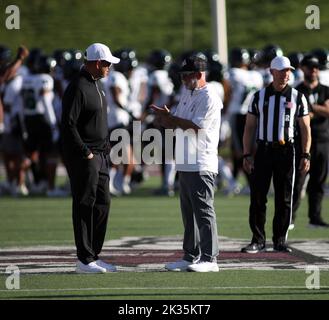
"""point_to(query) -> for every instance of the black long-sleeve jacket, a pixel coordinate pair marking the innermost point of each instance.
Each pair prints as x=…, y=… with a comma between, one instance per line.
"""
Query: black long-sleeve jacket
x=84, y=117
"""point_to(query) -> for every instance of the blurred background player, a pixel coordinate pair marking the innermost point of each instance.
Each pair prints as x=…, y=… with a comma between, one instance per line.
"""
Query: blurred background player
x=119, y=117
x=295, y=59
x=11, y=147
x=39, y=117
x=137, y=76
x=244, y=83
x=216, y=79
x=161, y=89
x=323, y=57
x=317, y=96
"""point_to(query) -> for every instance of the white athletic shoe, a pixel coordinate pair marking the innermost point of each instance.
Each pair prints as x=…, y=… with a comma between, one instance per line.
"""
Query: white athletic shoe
x=203, y=266
x=126, y=189
x=22, y=190
x=91, y=267
x=108, y=267
x=180, y=265
x=114, y=191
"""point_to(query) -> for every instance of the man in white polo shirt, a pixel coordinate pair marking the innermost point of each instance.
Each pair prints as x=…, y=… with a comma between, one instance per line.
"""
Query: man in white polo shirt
x=197, y=123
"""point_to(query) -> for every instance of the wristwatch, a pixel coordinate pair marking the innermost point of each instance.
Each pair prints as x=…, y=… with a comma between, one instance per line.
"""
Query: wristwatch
x=306, y=155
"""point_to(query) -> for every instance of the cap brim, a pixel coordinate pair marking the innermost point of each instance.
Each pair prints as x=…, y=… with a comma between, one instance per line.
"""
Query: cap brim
x=113, y=60
x=291, y=68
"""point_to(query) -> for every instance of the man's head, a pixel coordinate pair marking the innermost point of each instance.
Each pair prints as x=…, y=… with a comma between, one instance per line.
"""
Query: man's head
x=193, y=71
x=280, y=69
x=98, y=60
x=239, y=58
x=310, y=66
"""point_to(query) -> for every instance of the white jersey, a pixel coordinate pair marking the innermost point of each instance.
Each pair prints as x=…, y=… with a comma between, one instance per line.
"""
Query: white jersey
x=137, y=83
x=218, y=88
x=37, y=96
x=11, y=99
x=117, y=116
x=161, y=79
x=198, y=152
x=244, y=84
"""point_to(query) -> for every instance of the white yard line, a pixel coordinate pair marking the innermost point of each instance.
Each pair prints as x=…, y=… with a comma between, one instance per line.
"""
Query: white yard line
x=159, y=289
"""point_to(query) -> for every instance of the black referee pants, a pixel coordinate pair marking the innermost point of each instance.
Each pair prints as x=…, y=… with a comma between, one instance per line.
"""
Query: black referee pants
x=91, y=203
x=277, y=163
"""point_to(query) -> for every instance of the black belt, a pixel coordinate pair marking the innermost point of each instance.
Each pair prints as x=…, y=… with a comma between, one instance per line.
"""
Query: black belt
x=275, y=144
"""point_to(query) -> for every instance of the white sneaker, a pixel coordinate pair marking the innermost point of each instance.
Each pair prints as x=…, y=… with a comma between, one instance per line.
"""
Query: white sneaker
x=91, y=267
x=203, y=266
x=108, y=267
x=180, y=265
x=126, y=189
x=114, y=191
x=22, y=190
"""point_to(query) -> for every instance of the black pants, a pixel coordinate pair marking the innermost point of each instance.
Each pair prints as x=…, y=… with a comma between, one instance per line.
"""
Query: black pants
x=91, y=203
x=315, y=189
x=276, y=162
x=238, y=122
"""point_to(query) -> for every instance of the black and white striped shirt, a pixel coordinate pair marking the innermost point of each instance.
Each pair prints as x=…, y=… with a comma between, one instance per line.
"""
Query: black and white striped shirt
x=277, y=113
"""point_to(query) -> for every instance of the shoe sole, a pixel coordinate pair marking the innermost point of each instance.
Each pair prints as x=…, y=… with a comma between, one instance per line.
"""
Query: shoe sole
x=212, y=270
x=90, y=272
x=253, y=252
x=78, y=270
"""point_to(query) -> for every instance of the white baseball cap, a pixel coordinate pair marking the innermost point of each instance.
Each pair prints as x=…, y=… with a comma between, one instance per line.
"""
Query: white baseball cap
x=99, y=51
x=281, y=63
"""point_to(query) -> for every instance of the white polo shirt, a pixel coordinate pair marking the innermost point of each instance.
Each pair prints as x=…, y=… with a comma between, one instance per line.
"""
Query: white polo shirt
x=197, y=152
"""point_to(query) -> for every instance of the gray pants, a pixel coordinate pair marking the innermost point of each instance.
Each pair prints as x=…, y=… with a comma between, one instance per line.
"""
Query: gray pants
x=199, y=217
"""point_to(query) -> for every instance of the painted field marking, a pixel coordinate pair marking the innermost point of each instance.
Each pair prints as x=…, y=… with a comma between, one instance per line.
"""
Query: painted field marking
x=164, y=288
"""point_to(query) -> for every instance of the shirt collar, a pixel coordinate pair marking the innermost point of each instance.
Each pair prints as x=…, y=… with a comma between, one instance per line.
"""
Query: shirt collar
x=87, y=75
x=284, y=92
x=196, y=90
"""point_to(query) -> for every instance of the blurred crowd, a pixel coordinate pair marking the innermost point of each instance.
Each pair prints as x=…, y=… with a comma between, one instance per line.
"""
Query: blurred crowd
x=33, y=83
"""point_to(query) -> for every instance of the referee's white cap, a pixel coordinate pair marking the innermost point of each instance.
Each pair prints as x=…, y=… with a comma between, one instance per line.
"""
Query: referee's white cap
x=281, y=63
x=99, y=51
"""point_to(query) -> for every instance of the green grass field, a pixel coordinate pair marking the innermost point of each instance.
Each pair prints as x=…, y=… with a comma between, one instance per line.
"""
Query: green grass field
x=42, y=221
x=33, y=221
x=228, y=285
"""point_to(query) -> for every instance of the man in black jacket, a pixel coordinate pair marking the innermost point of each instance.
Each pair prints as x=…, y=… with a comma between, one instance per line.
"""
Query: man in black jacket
x=85, y=141
x=317, y=96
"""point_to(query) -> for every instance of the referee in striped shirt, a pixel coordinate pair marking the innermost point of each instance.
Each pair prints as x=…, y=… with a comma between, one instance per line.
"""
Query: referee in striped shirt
x=272, y=119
